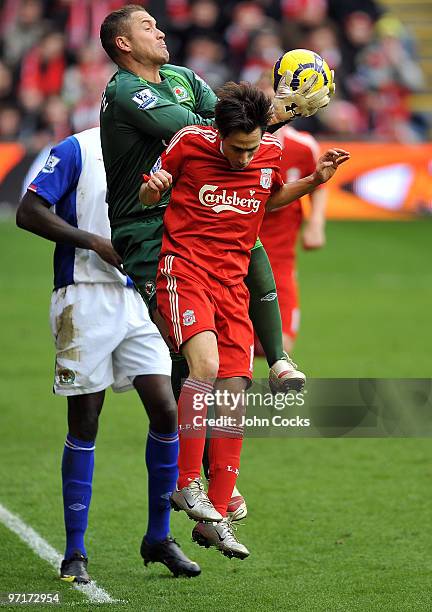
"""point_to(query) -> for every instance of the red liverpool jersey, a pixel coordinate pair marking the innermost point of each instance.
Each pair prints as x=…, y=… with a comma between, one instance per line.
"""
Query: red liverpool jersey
x=300, y=152
x=215, y=212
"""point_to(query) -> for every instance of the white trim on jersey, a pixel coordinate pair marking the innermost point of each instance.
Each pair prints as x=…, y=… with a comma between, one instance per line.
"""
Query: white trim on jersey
x=269, y=139
x=210, y=136
x=173, y=298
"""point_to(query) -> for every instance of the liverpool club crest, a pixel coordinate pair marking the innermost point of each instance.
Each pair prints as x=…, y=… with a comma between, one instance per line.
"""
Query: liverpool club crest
x=266, y=178
x=189, y=317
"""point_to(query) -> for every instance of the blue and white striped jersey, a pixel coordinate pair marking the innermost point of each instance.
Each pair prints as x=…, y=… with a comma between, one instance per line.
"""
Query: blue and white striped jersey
x=73, y=182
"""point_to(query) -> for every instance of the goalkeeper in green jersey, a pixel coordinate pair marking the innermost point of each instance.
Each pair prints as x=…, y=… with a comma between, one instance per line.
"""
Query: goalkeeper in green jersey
x=144, y=104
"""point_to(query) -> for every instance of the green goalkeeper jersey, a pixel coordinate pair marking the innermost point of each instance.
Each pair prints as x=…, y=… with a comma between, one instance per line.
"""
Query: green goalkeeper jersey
x=138, y=118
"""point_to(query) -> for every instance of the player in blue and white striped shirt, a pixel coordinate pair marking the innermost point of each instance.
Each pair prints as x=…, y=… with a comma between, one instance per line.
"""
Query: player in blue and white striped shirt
x=104, y=337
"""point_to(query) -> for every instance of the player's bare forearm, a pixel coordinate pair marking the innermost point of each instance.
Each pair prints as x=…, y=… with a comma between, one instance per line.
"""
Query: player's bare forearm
x=33, y=215
x=292, y=191
x=313, y=234
x=147, y=196
x=326, y=167
x=318, y=202
x=275, y=124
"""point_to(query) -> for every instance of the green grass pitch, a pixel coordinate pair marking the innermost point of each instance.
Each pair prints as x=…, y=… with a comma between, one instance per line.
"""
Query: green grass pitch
x=334, y=524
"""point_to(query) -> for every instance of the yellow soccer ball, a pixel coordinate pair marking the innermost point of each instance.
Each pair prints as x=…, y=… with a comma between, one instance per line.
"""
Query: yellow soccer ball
x=302, y=63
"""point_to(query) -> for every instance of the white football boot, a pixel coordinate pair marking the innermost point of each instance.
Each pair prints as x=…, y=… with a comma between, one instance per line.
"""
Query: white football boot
x=194, y=501
x=237, y=509
x=221, y=536
x=284, y=376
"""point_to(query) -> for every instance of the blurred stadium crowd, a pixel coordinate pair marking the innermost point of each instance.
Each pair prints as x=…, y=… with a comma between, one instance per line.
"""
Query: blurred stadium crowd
x=53, y=69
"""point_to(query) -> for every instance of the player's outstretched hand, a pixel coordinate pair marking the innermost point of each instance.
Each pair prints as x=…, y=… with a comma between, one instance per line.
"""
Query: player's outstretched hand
x=329, y=163
x=105, y=250
x=303, y=102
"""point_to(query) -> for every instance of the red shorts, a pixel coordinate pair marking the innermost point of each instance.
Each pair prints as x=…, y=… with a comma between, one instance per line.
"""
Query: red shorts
x=191, y=301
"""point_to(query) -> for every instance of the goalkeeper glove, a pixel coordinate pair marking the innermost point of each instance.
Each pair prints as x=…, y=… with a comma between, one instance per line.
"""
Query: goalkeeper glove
x=303, y=102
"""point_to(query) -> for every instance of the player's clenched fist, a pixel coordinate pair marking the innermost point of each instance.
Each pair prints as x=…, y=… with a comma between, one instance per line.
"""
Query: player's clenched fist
x=153, y=187
x=160, y=181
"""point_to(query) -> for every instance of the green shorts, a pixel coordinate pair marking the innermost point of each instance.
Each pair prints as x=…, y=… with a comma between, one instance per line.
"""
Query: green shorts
x=139, y=243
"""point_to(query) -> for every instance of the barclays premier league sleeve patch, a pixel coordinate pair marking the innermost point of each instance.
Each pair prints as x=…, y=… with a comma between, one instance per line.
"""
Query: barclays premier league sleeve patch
x=50, y=164
x=145, y=99
x=157, y=165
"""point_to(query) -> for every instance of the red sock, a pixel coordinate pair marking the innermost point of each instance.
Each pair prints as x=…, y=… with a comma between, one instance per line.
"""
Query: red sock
x=192, y=437
x=224, y=456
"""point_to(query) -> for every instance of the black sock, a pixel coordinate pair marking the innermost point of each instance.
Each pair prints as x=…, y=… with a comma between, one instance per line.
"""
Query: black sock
x=179, y=373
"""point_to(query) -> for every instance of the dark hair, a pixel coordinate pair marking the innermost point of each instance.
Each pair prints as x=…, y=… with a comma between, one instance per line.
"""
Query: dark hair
x=117, y=24
x=241, y=106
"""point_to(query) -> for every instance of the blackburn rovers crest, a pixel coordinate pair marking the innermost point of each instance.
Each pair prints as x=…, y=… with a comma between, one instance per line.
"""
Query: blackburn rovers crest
x=65, y=376
x=181, y=93
x=150, y=288
x=266, y=178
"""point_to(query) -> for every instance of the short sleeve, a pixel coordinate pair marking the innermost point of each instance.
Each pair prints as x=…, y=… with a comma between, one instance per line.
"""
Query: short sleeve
x=61, y=172
x=277, y=182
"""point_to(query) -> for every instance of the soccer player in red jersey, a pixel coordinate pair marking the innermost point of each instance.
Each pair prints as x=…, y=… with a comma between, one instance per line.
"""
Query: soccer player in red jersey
x=300, y=152
x=222, y=179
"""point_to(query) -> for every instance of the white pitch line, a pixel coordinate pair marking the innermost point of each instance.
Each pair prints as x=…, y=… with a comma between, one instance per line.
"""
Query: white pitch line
x=45, y=551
